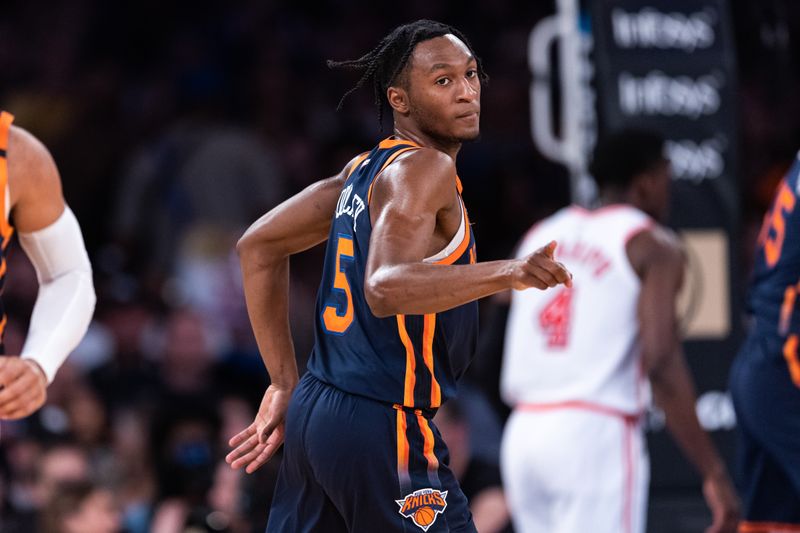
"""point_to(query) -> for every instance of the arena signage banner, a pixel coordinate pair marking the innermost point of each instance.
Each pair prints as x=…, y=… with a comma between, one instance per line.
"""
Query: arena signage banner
x=669, y=66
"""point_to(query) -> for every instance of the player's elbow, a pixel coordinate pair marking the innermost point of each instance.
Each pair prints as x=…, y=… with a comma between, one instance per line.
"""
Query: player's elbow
x=655, y=361
x=259, y=246
x=377, y=292
x=252, y=249
x=246, y=245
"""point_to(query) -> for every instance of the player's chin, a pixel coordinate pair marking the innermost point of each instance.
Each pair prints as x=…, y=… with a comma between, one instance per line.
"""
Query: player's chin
x=467, y=135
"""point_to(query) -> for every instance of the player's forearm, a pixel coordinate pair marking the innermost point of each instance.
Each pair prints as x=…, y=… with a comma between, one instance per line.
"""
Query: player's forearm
x=423, y=288
x=266, y=289
x=674, y=392
x=66, y=299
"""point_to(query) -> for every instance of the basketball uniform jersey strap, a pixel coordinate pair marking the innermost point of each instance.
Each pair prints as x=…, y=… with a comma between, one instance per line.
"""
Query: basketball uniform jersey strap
x=410, y=360
x=5, y=125
x=388, y=162
x=6, y=230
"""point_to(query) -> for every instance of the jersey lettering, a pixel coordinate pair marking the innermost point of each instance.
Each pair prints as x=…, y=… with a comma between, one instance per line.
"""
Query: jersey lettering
x=335, y=319
x=555, y=319
x=350, y=204
x=773, y=231
x=792, y=360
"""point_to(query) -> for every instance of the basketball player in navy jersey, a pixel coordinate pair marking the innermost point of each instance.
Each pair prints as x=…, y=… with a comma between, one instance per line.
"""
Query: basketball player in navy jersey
x=31, y=197
x=396, y=319
x=765, y=378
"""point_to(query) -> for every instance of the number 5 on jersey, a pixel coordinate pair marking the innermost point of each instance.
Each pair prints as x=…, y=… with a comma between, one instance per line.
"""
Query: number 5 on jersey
x=335, y=319
x=773, y=231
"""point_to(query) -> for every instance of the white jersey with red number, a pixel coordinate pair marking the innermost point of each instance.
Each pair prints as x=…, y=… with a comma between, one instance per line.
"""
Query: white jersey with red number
x=581, y=344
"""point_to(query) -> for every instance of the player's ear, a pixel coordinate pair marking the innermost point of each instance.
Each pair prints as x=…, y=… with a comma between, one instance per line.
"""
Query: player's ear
x=398, y=99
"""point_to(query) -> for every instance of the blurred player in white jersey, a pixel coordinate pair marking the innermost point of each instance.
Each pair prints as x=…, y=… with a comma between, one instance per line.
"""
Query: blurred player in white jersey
x=577, y=360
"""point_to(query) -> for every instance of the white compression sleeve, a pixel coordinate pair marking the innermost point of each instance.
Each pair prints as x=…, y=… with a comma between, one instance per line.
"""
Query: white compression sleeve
x=65, y=303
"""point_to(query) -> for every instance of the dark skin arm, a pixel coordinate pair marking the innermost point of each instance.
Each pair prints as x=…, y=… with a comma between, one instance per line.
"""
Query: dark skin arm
x=411, y=200
x=36, y=202
x=406, y=229
x=295, y=225
x=658, y=258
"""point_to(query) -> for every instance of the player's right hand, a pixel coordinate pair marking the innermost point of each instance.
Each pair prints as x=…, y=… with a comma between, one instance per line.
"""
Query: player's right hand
x=540, y=270
x=723, y=502
x=23, y=387
x=259, y=441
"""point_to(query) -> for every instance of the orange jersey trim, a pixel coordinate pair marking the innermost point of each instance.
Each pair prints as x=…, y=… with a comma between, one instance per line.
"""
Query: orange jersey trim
x=458, y=252
x=5, y=125
x=427, y=435
x=390, y=143
x=790, y=355
x=360, y=159
x=402, y=444
x=411, y=364
x=767, y=527
x=789, y=296
x=428, y=331
x=459, y=187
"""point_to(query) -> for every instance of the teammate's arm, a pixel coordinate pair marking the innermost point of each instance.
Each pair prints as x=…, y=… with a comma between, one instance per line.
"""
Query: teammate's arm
x=407, y=199
x=293, y=226
x=52, y=240
x=659, y=259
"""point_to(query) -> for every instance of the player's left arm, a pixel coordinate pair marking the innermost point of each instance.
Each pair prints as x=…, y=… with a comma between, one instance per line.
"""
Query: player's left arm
x=660, y=259
x=297, y=224
x=51, y=238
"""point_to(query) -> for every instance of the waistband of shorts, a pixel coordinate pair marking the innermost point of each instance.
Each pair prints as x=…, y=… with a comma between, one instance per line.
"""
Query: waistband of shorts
x=578, y=404
x=427, y=412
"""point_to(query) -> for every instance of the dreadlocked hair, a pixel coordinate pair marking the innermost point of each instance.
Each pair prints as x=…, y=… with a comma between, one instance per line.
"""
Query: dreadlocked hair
x=384, y=63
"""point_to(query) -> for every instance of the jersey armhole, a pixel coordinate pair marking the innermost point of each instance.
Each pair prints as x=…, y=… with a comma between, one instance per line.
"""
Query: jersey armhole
x=647, y=225
x=358, y=161
x=5, y=126
x=388, y=162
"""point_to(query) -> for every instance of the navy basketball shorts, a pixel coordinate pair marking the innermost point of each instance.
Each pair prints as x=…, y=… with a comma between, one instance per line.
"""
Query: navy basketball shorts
x=767, y=406
x=352, y=464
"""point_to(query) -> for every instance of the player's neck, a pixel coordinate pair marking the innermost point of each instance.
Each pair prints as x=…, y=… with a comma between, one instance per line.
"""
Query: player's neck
x=420, y=138
x=628, y=197
x=615, y=197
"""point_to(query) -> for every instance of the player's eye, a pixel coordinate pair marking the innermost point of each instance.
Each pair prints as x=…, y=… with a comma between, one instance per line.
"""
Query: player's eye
x=443, y=81
x=471, y=73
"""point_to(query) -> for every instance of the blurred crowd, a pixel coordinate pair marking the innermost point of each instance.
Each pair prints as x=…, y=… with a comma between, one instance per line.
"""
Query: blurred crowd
x=174, y=126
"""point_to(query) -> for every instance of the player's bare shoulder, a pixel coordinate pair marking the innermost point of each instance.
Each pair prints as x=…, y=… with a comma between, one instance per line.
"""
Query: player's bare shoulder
x=656, y=243
x=31, y=169
x=423, y=173
x=426, y=165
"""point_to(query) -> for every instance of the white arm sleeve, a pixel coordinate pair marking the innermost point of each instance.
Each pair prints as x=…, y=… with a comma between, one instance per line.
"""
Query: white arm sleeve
x=65, y=303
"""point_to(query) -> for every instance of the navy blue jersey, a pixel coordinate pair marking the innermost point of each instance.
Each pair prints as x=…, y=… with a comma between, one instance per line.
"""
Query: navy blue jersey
x=408, y=360
x=6, y=231
x=776, y=275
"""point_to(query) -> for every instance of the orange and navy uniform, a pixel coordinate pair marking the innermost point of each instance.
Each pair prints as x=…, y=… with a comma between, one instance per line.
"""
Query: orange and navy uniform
x=765, y=377
x=6, y=231
x=409, y=360
x=361, y=453
x=775, y=282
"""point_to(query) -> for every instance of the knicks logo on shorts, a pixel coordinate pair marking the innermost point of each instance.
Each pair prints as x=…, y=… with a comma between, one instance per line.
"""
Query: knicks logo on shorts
x=423, y=506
